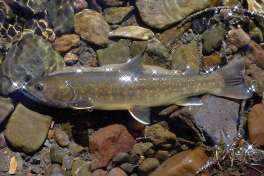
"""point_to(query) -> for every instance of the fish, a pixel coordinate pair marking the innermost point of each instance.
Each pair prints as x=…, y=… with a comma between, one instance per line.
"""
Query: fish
x=135, y=87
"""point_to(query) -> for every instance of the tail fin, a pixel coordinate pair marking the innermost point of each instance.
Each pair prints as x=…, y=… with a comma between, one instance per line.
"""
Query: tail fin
x=233, y=75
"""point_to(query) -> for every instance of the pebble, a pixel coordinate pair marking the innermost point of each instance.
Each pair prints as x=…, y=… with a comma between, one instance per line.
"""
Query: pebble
x=148, y=165
x=159, y=135
x=212, y=38
x=65, y=42
x=67, y=162
x=116, y=172
x=92, y=27
x=162, y=155
x=61, y=137
x=115, y=53
x=2, y=141
x=114, y=3
x=6, y=108
x=132, y=32
x=99, y=172
x=255, y=124
x=163, y=13
x=238, y=37
x=56, y=154
x=211, y=61
x=79, y=5
x=27, y=130
x=80, y=168
x=116, y=15
x=128, y=167
x=107, y=142
x=141, y=148
x=54, y=170
x=183, y=163
x=121, y=158
x=70, y=59
x=75, y=149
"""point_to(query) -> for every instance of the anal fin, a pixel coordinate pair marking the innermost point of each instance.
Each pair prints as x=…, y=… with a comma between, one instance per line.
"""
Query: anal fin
x=190, y=101
x=141, y=114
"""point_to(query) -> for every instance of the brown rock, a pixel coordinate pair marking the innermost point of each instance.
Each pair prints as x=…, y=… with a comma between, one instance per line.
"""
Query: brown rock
x=148, y=165
x=66, y=42
x=92, y=26
x=61, y=137
x=257, y=54
x=116, y=172
x=255, y=124
x=70, y=58
x=159, y=134
x=107, y=142
x=99, y=172
x=238, y=37
x=183, y=163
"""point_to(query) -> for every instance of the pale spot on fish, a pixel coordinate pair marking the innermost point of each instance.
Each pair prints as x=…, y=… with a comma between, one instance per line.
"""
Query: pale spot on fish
x=79, y=70
x=125, y=78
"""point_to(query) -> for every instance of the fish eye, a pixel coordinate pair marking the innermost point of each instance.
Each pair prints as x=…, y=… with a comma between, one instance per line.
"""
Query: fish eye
x=39, y=87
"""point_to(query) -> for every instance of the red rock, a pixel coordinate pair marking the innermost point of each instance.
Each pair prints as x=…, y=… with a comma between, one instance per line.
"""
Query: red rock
x=255, y=124
x=258, y=54
x=107, y=142
x=116, y=172
x=99, y=172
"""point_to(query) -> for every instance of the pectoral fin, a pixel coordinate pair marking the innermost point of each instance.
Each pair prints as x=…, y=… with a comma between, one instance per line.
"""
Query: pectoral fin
x=141, y=114
x=191, y=101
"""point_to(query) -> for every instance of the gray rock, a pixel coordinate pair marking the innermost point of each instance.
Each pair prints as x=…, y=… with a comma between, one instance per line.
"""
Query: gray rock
x=141, y=148
x=61, y=137
x=128, y=167
x=31, y=58
x=218, y=117
x=6, y=107
x=80, y=168
x=162, y=155
x=61, y=15
x=27, y=130
x=116, y=53
x=56, y=154
x=121, y=158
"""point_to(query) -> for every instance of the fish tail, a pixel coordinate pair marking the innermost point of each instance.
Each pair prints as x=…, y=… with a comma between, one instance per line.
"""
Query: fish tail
x=234, y=82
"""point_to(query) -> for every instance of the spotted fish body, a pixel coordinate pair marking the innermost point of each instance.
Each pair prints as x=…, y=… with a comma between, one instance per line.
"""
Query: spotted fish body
x=132, y=86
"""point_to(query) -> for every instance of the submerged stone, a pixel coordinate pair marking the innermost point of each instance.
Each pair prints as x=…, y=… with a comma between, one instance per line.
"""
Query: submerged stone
x=115, y=15
x=29, y=59
x=27, y=130
x=6, y=107
x=163, y=13
x=61, y=15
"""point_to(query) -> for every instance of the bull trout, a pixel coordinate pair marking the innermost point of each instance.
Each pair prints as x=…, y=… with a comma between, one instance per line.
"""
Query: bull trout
x=135, y=87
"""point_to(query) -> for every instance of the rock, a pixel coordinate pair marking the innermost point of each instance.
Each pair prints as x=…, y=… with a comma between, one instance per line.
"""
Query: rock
x=163, y=13
x=255, y=75
x=5, y=156
x=212, y=38
x=209, y=118
x=6, y=107
x=141, y=148
x=75, y=149
x=65, y=42
x=70, y=59
x=99, y=172
x=258, y=54
x=128, y=167
x=132, y=32
x=238, y=37
x=79, y=5
x=185, y=57
x=255, y=124
x=257, y=6
x=61, y=137
x=30, y=59
x=2, y=141
x=107, y=142
x=80, y=168
x=211, y=61
x=183, y=163
x=27, y=130
x=56, y=154
x=92, y=27
x=121, y=158
x=116, y=15
x=256, y=33
x=87, y=55
x=159, y=135
x=54, y=170
x=67, y=163
x=138, y=47
x=61, y=15
x=162, y=155
x=116, y=172
x=148, y=165
x=116, y=53
x=114, y=3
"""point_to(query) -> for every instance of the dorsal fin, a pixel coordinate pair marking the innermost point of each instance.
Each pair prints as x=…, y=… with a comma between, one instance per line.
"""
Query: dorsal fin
x=134, y=64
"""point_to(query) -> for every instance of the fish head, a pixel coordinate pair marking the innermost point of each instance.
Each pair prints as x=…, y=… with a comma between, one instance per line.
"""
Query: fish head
x=50, y=91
